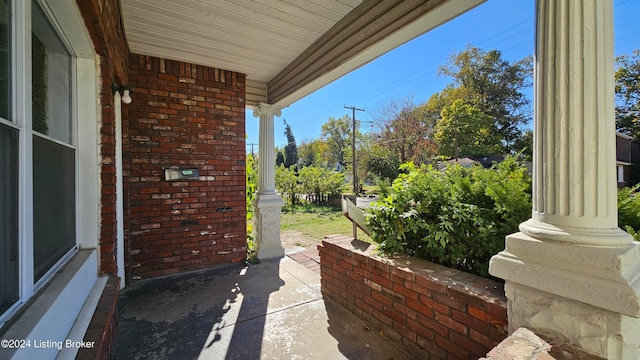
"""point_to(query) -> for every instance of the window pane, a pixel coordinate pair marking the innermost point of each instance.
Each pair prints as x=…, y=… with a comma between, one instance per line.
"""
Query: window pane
x=5, y=60
x=54, y=204
x=51, y=79
x=8, y=217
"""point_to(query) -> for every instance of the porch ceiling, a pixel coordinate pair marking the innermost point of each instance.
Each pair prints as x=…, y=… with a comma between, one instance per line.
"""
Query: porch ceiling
x=287, y=48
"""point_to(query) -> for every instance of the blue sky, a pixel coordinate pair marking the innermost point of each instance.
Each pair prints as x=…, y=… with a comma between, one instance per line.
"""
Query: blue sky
x=412, y=69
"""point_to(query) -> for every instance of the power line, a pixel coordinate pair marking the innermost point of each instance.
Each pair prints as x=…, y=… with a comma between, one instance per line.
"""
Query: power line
x=413, y=76
x=252, y=144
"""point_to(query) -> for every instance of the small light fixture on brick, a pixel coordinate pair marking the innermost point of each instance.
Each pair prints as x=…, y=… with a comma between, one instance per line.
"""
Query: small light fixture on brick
x=125, y=91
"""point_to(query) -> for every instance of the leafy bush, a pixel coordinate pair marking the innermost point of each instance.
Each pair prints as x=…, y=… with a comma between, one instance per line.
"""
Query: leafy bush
x=384, y=187
x=251, y=172
x=287, y=184
x=315, y=183
x=318, y=183
x=381, y=161
x=629, y=211
x=458, y=217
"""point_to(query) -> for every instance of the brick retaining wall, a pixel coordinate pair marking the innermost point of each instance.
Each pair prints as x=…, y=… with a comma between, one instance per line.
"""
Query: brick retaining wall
x=434, y=312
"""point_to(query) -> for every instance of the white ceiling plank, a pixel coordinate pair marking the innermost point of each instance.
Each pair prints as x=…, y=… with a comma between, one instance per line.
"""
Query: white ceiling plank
x=234, y=14
x=239, y=27
x=239, y=60
x=332, y=10
x=306, y=10
x=350, y=3
x=338, y=7
x=223, y=42
x=284, y=13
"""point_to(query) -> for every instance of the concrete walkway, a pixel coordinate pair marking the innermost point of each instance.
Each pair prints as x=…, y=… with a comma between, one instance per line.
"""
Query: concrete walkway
x=273, y=310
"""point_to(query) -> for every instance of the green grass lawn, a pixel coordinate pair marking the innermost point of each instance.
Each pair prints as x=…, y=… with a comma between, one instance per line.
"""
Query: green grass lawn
x=318, y=222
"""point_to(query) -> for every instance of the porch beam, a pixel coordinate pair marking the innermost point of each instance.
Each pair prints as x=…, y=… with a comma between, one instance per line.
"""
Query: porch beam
x=571, y=274
x=369, y=31
x=256, y=93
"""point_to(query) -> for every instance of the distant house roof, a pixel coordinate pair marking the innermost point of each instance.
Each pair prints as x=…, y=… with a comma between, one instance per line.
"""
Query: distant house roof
x=462, y=161
x=466, y=162
x=488, y=161
x=624, y=136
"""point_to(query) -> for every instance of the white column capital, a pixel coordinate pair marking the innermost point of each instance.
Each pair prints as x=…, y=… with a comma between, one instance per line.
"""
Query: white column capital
x=265, y=109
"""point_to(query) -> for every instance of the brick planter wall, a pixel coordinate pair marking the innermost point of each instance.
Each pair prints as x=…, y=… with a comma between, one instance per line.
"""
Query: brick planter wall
x=189, y=117
x=434, y=312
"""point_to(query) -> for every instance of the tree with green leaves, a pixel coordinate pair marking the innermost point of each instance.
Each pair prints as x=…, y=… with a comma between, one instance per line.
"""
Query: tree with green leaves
x=381, y=161
x=337, y=134
x=279, y=158
x=627, y=85
x=313, y=153
x=401, y=129
x=465, y=130
x=251, y=172
x=429, y=111
x=287, y=184
x=291, y=149
x=318, y=183
x=525, y=145
x=495, y=87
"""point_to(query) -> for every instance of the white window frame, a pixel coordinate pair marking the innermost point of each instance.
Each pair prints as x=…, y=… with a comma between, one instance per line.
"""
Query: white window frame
x=85, y=79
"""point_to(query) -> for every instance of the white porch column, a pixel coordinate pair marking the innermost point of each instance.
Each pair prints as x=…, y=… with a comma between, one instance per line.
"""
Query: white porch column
x=571, y=273
x=267, y=203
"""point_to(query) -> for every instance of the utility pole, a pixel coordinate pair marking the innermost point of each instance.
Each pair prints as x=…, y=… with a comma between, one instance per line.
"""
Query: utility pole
x=353, y=146
x=353, y=151
x=252, y=147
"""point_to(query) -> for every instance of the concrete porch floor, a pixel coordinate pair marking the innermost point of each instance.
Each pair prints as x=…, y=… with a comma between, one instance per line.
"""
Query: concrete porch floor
x=273, y=310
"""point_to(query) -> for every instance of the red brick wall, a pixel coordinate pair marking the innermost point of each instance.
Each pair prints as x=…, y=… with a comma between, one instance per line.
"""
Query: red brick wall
x=108, y=223
x=103, y=20
x=104, y=23
x=187, y=116
x=433, y=311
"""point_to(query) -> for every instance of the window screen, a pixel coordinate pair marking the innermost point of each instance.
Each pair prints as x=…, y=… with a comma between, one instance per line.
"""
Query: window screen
x=5, y=60
x=53, y=203
x=8, y=217
x=53, y=159
x=51, y=79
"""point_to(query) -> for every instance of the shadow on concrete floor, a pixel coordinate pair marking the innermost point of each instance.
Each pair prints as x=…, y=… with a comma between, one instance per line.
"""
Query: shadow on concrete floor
x=179, y=316
x=273, y=310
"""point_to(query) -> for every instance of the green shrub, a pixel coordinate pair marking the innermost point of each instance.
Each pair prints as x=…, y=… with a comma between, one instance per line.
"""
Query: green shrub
x=287, y=184
x=458, y=217
x=629, y=211
x=318, y=183
x=311, y=184
x=251, y=171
